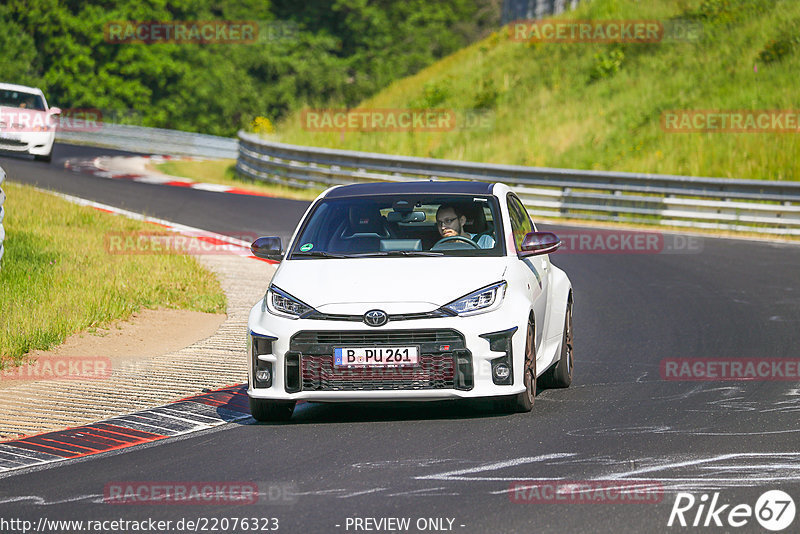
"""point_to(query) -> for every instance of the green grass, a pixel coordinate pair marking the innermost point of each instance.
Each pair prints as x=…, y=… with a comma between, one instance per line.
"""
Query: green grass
x=58, y=279
x=223, y=171
x=599, y=106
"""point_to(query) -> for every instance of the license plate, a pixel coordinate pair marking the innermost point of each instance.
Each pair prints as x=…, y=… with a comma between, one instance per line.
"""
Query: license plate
x=10, y=136
x=375, y=356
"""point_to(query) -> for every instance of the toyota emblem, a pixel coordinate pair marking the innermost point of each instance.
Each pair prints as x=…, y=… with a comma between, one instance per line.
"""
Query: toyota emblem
x=375, y=318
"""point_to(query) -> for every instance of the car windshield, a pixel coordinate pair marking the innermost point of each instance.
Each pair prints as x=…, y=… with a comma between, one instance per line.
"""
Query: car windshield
x=20, y=99
x=401, y=225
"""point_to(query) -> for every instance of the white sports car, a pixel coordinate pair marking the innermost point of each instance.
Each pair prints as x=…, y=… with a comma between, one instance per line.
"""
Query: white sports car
x=413, y=291
x=27, y=124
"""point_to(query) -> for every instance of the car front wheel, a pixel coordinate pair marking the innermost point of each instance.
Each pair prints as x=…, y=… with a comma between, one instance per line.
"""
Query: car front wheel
x=560, y=375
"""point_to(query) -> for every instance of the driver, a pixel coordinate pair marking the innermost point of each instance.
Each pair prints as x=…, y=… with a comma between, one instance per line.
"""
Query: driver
x=450, y=222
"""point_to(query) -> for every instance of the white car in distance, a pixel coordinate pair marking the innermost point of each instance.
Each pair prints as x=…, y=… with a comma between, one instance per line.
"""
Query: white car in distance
x=27, y=123
x=416, y=291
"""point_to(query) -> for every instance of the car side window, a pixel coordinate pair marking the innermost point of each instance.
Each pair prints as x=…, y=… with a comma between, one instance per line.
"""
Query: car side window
x=520, y=222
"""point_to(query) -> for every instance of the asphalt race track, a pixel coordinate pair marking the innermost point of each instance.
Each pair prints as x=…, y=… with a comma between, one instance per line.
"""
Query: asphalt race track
x=620, y=421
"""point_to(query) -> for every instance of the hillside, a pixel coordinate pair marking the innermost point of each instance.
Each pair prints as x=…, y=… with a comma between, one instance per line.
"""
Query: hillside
x=599, y=106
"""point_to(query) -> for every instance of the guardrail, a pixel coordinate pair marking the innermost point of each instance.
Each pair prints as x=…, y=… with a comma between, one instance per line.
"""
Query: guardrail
x=153, y=141
x=761, y=206
x=530, y=9
x=2, y=212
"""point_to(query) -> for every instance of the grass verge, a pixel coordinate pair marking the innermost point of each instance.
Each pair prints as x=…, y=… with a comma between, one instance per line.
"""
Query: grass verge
x=223, y=171
x=57, y=277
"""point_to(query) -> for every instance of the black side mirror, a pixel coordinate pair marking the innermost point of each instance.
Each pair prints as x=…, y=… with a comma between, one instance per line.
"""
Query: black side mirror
x=268, y=248
x=537, y=243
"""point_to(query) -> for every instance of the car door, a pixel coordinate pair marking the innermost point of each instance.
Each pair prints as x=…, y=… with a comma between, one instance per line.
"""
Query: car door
x=534, y=269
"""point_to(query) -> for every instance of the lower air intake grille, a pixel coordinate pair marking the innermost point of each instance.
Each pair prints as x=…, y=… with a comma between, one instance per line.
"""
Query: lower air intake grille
x=444, y=362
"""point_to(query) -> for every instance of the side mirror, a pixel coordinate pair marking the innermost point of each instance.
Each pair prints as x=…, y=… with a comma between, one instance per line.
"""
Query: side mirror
x=268, y=248
x=537, y=243
x=54, y=111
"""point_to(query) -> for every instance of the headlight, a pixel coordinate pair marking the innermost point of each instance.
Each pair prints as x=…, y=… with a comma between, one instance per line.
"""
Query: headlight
x=282, y=303
x=481, y=301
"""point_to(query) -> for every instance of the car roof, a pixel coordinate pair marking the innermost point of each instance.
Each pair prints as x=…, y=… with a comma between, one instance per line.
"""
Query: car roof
x=21, y=88
x=419, y=187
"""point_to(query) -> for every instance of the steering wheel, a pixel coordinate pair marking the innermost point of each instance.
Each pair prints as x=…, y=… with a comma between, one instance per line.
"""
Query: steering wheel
x=456, y=238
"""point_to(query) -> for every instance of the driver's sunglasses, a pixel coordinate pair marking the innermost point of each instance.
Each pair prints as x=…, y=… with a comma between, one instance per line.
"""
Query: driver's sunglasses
x=446, y=222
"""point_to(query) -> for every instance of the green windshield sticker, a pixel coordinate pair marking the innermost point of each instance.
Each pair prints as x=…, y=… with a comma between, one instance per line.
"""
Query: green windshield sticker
x=306, y=247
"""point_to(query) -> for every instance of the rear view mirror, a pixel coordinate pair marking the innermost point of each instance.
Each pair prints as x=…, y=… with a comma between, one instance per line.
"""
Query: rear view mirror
x=268, y=248
x=388, y=245
x=537, y=243
x=405, y=217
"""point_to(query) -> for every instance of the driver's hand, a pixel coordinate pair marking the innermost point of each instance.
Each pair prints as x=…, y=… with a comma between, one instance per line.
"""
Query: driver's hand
x=448, y=232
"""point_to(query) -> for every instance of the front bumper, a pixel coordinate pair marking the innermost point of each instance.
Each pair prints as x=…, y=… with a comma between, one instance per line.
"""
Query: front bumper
x=34, y=143
x=456, y=358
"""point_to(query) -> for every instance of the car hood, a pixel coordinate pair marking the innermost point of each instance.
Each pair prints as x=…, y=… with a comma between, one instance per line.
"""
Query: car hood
x=398, y=285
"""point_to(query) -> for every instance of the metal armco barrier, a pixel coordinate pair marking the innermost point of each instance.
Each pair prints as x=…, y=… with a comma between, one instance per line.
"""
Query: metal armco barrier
x=761, y=206
x=153, y=141
x=2, y=212
x=534, y=9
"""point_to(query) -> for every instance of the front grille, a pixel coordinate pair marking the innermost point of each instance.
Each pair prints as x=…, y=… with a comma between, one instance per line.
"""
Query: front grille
x=12, y=143
x=434, y=372
x=304, y=341
x=444, y=361
x=391, y=317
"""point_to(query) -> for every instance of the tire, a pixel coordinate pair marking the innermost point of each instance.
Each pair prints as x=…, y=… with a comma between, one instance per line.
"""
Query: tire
x=523, y=402
x=560, y=375
x=268, y=410
x=44, y=157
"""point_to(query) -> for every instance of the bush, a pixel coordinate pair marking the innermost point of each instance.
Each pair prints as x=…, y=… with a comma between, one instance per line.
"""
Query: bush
x=606, y=64
x=787, y=42
x=262, y=126
x=487, y=95
x=434, y=94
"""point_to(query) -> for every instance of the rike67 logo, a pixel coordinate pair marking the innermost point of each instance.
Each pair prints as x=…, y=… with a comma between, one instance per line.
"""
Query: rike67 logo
x=774, y=510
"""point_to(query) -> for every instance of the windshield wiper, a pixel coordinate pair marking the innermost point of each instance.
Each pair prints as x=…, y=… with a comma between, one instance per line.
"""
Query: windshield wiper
x=318, y=254
x=396, y=253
